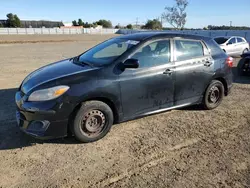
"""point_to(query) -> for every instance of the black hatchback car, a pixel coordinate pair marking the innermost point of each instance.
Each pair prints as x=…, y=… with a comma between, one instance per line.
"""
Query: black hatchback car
x=121, y=79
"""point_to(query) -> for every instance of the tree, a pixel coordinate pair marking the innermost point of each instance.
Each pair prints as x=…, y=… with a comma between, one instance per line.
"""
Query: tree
x=87, y=25
x=17, y=21
x=129, y=26
x=117, y=27
x=80, y=22
x=1, y=25
x=153, y=24
x=176, y=15
x=105, y=23
x=74, y=23
x=13, y=20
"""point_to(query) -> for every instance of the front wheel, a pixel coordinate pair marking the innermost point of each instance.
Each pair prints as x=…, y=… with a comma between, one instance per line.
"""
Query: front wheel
x=213, y=95
x=92, y=122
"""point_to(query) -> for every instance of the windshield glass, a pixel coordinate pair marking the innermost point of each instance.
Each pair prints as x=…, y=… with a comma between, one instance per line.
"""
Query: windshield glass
x=221, y=40
x=107, y=51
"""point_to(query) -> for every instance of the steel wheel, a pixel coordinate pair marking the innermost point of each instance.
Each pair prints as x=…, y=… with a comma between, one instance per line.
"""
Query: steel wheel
x=214, y=95
x=93, y=123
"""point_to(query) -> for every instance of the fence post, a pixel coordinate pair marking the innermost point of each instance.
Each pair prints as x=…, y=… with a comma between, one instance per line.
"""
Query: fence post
x=26, y=31
x=16, y=31
x=8, y=31
x=49, y=31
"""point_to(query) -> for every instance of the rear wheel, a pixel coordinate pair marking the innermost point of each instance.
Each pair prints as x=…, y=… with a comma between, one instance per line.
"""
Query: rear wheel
x=93, y=121
x=213, y=95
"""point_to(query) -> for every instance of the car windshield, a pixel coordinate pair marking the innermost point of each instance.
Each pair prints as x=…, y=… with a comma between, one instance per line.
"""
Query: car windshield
x=221, y=40
x=107, y=51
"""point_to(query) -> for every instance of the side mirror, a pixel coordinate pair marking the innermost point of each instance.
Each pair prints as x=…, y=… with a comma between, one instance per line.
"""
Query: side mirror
x=131, y=64
x=229, y=43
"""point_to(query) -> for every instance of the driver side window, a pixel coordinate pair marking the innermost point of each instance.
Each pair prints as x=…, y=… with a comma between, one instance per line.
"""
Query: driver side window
x=153, y=54
x=232, y=41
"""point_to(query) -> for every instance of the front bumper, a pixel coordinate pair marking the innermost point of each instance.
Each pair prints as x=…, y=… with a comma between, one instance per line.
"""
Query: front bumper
x=43, y=120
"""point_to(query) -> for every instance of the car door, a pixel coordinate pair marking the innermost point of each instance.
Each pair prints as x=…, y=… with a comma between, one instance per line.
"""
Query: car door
x=194, y=70
x=240, y=45
x=151, y=86
x=231, y=46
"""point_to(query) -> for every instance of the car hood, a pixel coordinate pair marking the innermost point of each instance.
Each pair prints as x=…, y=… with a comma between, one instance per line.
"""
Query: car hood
x=52, y=72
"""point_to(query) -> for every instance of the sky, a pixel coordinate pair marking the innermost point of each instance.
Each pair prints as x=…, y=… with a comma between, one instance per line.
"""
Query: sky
x=200, y=13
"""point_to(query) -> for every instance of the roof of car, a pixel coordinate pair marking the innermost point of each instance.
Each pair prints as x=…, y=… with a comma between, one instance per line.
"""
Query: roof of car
x=228, y=37
x=150, y=35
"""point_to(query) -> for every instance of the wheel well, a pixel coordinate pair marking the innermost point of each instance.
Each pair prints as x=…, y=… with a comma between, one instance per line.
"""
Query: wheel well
x=223, y=81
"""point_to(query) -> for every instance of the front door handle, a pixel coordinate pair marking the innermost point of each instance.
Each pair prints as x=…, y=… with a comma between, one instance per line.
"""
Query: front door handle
x=168, y=71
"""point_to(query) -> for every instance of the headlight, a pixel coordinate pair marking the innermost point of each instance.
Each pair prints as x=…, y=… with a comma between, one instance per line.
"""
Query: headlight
x=48, y=94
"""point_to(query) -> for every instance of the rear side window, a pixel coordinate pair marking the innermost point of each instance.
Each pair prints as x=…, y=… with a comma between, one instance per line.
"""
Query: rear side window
x=187, y=49
x=239, y=40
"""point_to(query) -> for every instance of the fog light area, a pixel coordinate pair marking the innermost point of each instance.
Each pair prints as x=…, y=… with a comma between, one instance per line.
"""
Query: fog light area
x=39, y=125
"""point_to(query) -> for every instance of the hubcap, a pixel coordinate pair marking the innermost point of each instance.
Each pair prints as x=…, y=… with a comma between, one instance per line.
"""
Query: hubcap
x=214, y=95
x=93, y=123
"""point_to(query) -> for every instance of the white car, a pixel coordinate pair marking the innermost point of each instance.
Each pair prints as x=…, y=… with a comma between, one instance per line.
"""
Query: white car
x=233, y=46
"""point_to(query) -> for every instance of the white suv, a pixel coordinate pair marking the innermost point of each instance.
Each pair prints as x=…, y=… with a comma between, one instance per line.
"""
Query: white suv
x=233, y=45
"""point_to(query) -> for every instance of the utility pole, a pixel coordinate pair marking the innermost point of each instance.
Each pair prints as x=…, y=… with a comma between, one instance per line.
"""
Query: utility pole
x=231, y=23
x=162, y=21
x=136, y=23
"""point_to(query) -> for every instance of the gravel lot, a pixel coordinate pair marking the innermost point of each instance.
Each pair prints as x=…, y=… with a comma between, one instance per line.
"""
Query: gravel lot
x=180, y=148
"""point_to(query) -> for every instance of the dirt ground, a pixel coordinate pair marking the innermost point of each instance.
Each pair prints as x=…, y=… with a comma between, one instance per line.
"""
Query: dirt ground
x=181, y=148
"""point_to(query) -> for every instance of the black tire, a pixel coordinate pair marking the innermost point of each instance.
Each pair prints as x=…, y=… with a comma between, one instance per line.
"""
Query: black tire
x=213, y=95
x=92, y=122
x=240, y=67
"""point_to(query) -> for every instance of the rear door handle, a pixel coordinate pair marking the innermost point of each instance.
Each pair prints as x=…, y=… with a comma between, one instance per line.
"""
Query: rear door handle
x=168, y=71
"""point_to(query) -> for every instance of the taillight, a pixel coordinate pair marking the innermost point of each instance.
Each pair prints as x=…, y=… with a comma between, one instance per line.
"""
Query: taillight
x=230, y=61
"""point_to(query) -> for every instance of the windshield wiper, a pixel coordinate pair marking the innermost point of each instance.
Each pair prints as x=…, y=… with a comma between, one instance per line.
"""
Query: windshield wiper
x=76, y=58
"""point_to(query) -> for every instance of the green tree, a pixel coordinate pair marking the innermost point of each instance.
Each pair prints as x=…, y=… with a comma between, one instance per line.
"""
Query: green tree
x=74, y=23
x=1, y=25
x=17, y=21
x=13, y=20
x=80, y=22
x=176, y=15
x=105, y=23
x=10, y=20
x=87, y=25
x=153, y=24
x=129, y=26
